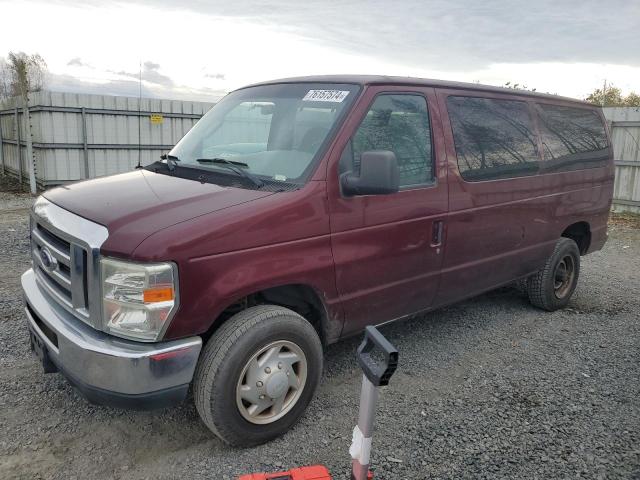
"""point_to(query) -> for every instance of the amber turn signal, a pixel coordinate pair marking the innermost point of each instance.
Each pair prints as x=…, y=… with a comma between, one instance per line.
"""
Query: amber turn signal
x=154, y=295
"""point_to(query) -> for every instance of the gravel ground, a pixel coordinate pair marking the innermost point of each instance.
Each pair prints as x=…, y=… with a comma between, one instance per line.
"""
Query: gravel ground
x=489, y=388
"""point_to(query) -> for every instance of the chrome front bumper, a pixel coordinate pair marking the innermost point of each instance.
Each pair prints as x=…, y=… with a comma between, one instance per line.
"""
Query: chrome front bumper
x=106, y=369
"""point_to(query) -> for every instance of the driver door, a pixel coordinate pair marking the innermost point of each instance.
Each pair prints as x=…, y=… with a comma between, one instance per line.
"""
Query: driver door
x=388, y=249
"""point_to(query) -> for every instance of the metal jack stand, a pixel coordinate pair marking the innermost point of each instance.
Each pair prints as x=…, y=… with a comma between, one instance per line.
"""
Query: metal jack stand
x=375, y=374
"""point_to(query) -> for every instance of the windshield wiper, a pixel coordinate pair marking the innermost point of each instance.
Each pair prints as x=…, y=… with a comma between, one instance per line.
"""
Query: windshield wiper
x=235, y=167
x=171, y=161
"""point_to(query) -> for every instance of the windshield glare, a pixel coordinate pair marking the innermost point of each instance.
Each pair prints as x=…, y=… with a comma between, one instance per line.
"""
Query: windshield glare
x=278, y=131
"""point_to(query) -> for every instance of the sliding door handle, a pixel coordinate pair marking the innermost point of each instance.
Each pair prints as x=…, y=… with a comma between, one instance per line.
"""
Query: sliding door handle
x=436, y=233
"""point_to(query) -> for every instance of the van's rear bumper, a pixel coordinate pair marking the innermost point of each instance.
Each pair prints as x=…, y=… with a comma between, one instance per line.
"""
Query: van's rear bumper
x=106, y=369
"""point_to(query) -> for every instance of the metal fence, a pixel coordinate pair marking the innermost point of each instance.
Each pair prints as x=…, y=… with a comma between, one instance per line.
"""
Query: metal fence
x=77, y=136
x=624, y=123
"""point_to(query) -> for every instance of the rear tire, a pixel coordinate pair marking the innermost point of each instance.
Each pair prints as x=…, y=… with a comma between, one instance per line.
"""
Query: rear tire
x=551, y=287
x=231, y=381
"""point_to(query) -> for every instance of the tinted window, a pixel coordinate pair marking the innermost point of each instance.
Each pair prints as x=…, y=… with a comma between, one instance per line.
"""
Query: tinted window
x=399, y=123
x=493, y=138
x=572, y=138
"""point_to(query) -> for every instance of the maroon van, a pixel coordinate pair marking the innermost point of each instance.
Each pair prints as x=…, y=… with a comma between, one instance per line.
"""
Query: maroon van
x=295, y=213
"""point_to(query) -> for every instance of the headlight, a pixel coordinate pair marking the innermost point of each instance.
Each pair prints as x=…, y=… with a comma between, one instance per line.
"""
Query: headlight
x=138, y=299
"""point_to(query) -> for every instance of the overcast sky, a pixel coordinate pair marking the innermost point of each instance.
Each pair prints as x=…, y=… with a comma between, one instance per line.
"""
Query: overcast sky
x=201, y=49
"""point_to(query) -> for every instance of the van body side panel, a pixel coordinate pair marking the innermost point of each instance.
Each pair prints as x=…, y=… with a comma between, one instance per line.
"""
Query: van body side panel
x=234, y=252
x=385, y=264
x=500, y=230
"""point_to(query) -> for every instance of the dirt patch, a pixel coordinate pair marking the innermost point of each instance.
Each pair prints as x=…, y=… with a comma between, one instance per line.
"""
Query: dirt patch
x=626, y=219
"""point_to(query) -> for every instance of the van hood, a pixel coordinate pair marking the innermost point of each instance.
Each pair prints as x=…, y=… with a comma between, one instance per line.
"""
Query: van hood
x=137, y=204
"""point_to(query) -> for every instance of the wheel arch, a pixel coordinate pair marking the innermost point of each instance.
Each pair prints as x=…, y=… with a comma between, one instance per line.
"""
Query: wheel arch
x=302, y=298
x=579, y=232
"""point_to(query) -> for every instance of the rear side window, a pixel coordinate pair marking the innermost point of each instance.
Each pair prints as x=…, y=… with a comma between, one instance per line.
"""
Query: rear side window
x=399, y=123
x=572, y=138
x=493, y=138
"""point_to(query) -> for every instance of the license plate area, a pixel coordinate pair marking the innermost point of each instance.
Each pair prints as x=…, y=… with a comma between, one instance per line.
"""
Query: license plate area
x=40, y=349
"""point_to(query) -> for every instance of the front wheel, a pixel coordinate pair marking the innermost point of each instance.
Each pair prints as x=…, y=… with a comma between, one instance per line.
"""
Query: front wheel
x=551, y=287
x=257, y=375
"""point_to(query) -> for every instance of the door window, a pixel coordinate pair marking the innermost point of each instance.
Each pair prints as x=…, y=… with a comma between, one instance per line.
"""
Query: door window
x=399, y=123
x=493, y=138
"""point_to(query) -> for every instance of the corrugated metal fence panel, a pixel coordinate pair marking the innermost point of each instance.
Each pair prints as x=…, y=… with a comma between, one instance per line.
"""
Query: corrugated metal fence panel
x=58, y=133
x=625, y=136
x=625, y=132
x=10, y=157
x=627, y=185
x=8, y=125
x=109, y=162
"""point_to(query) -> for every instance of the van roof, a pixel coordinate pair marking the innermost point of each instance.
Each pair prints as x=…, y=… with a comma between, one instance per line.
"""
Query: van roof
x=415, y=81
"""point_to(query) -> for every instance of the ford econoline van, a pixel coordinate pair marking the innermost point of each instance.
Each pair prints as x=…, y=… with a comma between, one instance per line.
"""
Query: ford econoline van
x=295, y=213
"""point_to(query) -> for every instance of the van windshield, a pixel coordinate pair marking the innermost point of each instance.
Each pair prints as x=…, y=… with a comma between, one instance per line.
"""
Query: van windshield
x=272, y=132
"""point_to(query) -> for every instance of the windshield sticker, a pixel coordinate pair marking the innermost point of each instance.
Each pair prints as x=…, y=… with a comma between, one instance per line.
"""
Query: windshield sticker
x=325, y=96
x=280, y=178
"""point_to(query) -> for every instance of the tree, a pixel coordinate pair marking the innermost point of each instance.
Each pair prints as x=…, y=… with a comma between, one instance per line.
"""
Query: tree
x=517, y=86
x=632, y=100
x=4, y=79
x=611, y=96
x=21, y=74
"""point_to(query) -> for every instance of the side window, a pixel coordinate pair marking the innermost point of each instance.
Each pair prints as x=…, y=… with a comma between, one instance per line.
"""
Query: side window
x=572, y=138
x=399, y=123
x=493, y=138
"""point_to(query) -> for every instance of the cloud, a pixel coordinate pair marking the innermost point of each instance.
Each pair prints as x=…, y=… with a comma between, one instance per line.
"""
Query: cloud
x=566, y=46
x=130, y=88
x=150, y=73
x=77, y=62
x=450, y=34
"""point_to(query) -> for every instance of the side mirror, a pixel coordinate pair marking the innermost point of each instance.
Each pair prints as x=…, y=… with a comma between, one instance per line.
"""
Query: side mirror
x=378, y=175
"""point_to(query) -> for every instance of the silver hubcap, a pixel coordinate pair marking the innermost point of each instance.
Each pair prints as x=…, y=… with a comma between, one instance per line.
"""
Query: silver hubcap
x=271, y=382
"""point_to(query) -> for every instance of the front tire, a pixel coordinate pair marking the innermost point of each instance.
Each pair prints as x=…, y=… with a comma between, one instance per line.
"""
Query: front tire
x=257, y=374
x=551, y=287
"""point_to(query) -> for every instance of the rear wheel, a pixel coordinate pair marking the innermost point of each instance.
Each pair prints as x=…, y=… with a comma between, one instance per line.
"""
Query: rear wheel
x=257, y=375
x=551, y=287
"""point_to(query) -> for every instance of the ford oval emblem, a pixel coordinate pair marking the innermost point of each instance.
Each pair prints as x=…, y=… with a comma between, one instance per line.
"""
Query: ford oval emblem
x=48, y=261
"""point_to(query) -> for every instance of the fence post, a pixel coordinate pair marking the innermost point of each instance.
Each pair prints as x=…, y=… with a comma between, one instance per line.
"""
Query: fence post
x=31, y=161
x=84, y=143
x=19, y=146
x=1, y=148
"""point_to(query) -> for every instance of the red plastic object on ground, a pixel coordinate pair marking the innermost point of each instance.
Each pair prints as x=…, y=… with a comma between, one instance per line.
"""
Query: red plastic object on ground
x=316, y=472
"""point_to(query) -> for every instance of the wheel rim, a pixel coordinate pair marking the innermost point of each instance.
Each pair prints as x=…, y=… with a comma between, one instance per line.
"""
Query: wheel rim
x=563, y=276
x=271, y=382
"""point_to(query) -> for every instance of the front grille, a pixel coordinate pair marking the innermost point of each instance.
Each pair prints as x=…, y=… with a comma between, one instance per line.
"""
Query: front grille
x=60, y=264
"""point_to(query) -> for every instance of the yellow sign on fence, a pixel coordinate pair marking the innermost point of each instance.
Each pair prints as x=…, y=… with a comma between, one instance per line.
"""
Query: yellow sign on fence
x=156, y=119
